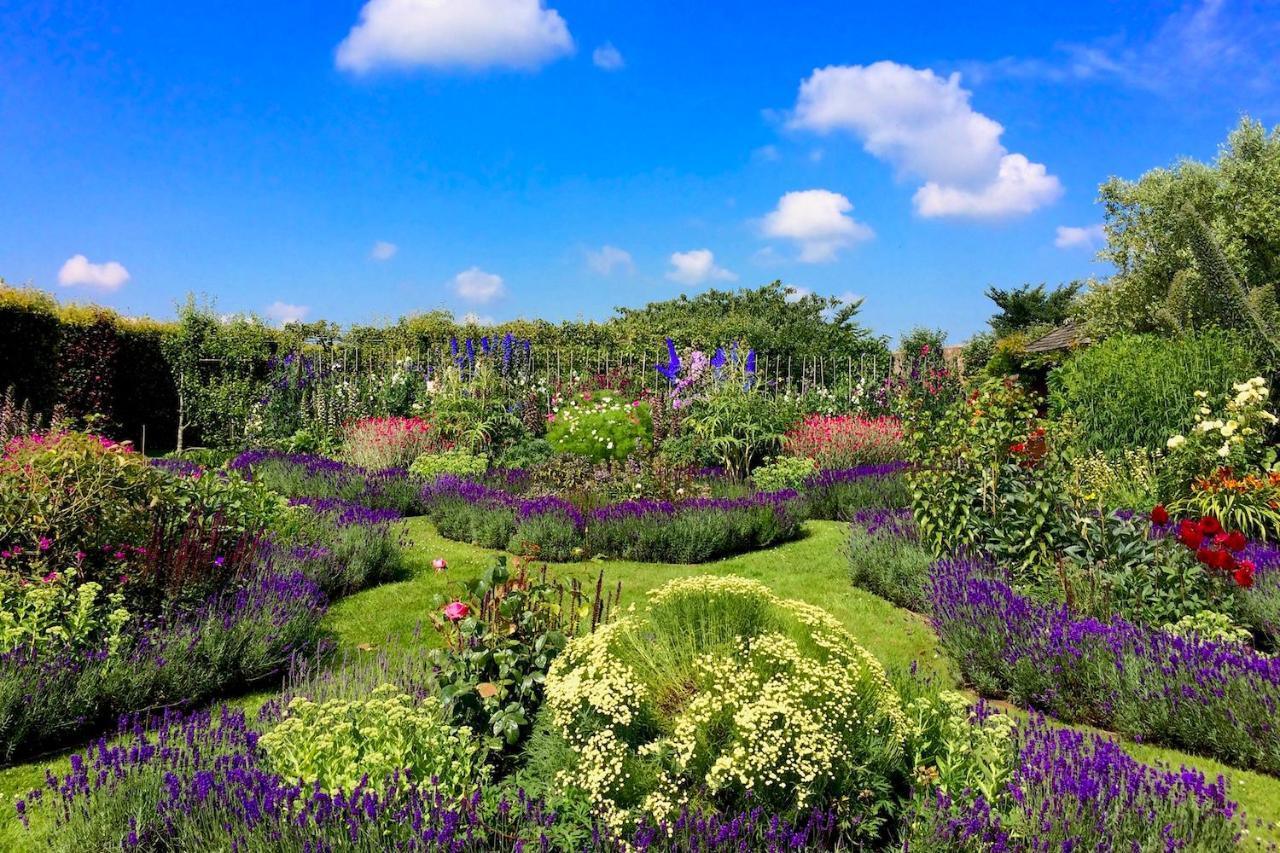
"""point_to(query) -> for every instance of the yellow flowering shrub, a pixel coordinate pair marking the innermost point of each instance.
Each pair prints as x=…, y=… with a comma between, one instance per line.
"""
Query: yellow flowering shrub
x=337, y=743
x=718, y=688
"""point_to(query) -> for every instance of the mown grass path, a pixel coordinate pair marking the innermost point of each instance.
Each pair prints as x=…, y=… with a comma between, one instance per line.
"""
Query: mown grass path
x=811, y=569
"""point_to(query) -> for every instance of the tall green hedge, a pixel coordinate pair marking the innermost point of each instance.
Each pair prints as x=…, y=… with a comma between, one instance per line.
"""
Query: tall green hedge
x=1137, y=390
x=87, y=360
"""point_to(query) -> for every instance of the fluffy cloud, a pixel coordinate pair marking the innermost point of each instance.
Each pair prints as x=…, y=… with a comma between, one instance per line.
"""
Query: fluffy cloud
x=283, y=312
x=697, y=266
x=469, y=34
x=1020, y=186
x=818, y=221
x=78, y=271
x=1079, y=237
x=606, y=259
x=608, y=58
x=476, y=285
x=383, y=251
x=924, y=126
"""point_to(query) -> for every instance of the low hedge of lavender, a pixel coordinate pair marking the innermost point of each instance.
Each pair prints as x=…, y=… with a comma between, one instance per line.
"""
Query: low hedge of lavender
x=189, y=651
x=690, y=531
x=1214, y=697
x=302, y=475
x=838, y=494
x=694, y=531
x=886, y=557
x=1075, y=791
x=199, y=782
x=233, y=639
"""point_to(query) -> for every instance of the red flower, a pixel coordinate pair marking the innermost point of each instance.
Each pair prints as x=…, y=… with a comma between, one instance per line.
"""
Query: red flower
x=1205, y=555
x=1190, y=535
x=1244, y=574
x=1159, y=515
x=1017, y=448
x=1235, y=540
x=1209, y=526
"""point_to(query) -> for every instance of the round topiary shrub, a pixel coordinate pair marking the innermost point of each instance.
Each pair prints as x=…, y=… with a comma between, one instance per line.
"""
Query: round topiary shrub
x=722, y=693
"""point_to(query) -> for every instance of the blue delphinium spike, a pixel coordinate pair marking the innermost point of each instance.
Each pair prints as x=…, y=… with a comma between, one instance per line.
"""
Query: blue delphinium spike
x=471, y=352
x=671, y=370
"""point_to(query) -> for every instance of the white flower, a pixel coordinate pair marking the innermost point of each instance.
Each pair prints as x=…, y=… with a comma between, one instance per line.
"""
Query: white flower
x=1227, y=429
x=1202, y=394
x=1176, y=442
x=1225, y=450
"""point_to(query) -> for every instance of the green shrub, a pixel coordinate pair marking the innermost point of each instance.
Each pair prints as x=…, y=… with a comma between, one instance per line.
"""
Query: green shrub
x=1138, y=390
x=785, y=472
x=720, y=688
x=601, y=426
x=886, y=558
x=525, y=454
x=335, y=744
x=459, y=463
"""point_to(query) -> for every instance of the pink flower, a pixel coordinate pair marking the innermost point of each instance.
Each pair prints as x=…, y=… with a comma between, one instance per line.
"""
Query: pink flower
x=551, y=416
x=50, y=578
x=119, y=555
x=45, y=543
x=439, y=564
x=80, y=555
x=455, y=610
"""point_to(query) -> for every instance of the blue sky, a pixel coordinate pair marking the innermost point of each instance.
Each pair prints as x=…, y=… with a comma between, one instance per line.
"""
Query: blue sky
x=358, y=161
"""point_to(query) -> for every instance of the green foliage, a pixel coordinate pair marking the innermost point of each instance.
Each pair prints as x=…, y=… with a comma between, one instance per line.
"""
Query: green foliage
x=986, y=472
x=54, y=612
x=1210, y=625
x=740, y=425
x=458, y=463
x=1028, y=305
x=785, y=472
x=1138, y=390
x=885, y=560
x=1151, y=239
x=721, y=688
x=337, y=744
x=470, y=410
x=1117, y=481
x=525, y=454
x=601, y=426
x=957, y=751
x=493, y=668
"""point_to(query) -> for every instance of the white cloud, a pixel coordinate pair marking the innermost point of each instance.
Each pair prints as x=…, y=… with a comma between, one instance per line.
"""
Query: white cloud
x=606, y=259
x=1020, y=186
x=1079, y=237
x=283, y=312
x=608, y=58
x=470, y=34
x=383, y=251
x=924, y=126
x=78, y=271
x=476, y=285
x=697, y=266
x=818, y=221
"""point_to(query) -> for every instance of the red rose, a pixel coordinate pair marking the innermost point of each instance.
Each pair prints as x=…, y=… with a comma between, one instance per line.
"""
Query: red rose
x=1159, y=515
x=1209, y=526
x=1235, y=540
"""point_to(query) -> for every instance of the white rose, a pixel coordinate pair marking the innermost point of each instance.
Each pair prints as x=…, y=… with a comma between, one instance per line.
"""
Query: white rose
x=1176, y=442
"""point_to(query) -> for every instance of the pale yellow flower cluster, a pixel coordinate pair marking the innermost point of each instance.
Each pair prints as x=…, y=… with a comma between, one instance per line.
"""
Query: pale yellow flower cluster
x=796, y=708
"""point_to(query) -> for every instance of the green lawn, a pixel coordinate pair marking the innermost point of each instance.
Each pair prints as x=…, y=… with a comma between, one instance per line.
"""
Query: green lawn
x=812, y=568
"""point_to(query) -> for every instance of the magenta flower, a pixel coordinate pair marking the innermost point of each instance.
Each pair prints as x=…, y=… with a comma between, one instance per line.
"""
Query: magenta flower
x=456, y=610
x=45, y=543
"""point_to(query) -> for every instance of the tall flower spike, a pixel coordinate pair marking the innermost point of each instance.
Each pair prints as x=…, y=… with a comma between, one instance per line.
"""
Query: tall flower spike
x=484, y=344
x=471, y=352
x=671, y=370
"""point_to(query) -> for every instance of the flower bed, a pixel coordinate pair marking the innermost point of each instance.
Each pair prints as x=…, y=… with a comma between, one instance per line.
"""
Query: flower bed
x=690, y=531
x=838, y=494
x=845, y=441
x=1215, y=697
x=297, y=475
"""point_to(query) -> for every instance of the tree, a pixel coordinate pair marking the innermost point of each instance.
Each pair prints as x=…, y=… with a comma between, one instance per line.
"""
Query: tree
x=1031, y=305
x=1151, y=237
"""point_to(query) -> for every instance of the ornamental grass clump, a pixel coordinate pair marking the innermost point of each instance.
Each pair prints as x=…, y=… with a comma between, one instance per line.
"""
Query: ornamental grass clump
x=722, y=693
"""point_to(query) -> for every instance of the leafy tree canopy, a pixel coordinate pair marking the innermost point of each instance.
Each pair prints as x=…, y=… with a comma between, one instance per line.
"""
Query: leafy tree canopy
x=1153, y=229
x=1030, y=305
